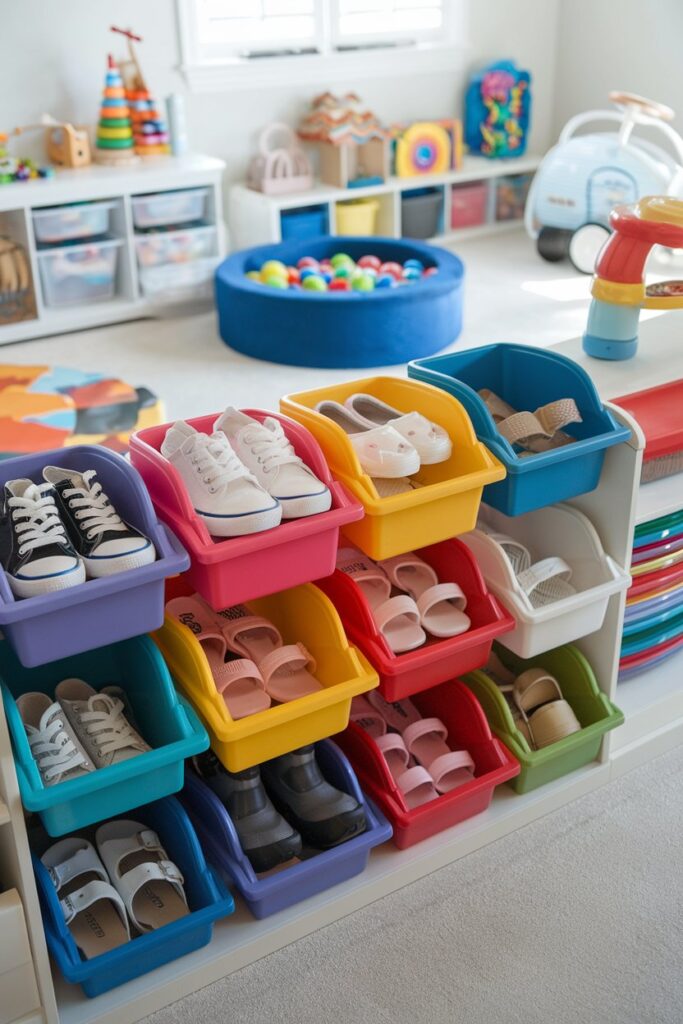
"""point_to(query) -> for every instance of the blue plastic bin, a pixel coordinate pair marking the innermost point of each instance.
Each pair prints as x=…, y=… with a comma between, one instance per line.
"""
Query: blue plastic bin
x=207, y=897
x=166, y=721
x=97, y=612
x=322, y=870
x=527, y=378
x=303, y=222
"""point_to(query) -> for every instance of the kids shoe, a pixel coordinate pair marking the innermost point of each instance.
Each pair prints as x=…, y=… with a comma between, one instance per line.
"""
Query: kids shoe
x=35, y=551
x=55, y=747
x=99, y=722
x=324, y=816
x=264, y=835
x=103, y=540
x=431, y=441
x=382, y=451
x=224, y=494
x=266, y=451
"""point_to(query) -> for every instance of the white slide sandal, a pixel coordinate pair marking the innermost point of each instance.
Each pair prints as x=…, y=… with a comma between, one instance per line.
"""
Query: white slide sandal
x=542, y=582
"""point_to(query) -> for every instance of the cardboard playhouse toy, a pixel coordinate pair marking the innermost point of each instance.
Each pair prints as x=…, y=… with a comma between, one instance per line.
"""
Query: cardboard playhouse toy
x=353, y=146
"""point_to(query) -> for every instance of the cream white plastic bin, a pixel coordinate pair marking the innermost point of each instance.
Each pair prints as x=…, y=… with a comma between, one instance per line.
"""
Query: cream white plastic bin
x=557, y=530
x=160, y=208
x=63, y=223
x=158, y=249
x=79, y=274
x=179, y=288
x=18, y=989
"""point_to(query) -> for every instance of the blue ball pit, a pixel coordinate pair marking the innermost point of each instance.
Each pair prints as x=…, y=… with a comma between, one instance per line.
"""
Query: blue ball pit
x=340, y=330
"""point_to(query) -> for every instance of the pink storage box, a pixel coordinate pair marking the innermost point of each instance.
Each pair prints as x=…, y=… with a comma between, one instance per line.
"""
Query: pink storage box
x=228, y=571
x=468, y=204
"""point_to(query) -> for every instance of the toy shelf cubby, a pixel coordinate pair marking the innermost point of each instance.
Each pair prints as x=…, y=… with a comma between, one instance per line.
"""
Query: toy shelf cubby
x=119, y=188
x=256, y=218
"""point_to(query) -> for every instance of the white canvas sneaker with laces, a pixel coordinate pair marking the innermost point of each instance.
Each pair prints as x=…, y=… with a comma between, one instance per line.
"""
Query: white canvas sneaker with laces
x=99, y=723
x=54, y=745
x=267, y=452
x=224, y=494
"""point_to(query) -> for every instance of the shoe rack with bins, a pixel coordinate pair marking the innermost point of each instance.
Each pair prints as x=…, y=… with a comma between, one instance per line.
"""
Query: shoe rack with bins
x=653, y=705
x=119, y=186
x=256, y=219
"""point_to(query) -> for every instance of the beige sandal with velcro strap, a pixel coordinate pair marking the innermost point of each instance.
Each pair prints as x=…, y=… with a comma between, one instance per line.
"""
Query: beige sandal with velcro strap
x=538, y=431
x=548, y=716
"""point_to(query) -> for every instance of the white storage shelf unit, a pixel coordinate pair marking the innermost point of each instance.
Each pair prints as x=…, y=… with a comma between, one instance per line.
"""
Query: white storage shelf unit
x=256, y=219
x=652, y=702
x=116, y=201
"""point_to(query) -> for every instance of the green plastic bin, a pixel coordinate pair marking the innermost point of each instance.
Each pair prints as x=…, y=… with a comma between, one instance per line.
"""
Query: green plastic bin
x=594, y=711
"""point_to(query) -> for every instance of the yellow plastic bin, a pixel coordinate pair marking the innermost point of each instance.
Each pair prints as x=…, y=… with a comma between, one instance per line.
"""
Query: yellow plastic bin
x=445, y=503
x=301, y=614
x=357, y=217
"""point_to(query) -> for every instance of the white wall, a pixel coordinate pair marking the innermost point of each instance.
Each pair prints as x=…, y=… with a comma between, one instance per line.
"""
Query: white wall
x=54, y=55
x=630, y=45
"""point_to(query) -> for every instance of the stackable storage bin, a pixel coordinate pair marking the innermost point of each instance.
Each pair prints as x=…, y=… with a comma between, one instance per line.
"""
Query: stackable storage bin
x=560, y=531
x=446, y=503
x=528, y=378
x=468, y=729
x=421, y=212
x=166, y=722
x=174, y=285
x=594, y=711
x=303, y=222
x=162, y=247
x=162, y=208
x=401, y=675
x=18, y=988
x=303, y=615
x=100, y=611
x=511, y=193
x=468, y=204
x=236, y=569
x=356, y=216
x=55, y=224
x=316, y=871
x=78, y=274
x=207, y=897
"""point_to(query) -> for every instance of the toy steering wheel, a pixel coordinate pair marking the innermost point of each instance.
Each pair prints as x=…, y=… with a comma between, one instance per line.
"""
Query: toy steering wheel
x=626, y=101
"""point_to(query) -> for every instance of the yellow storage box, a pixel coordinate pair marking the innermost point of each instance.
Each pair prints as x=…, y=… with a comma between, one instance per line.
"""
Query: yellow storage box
x=445, y=503
x=357, y=217
x=302, y=614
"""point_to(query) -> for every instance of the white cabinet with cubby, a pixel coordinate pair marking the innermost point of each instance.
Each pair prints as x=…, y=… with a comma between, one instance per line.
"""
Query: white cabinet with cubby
x=89, y=236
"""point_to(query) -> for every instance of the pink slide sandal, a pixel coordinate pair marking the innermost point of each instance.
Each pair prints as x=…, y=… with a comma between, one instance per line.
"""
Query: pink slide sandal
x=397, y=618
x=238, y=681
x=363, y=713
x=284, y=668
x=441, y=605
x=415, y=784
x=425, y=739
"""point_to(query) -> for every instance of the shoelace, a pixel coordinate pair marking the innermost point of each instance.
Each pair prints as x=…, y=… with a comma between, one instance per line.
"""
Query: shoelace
x=272, y=448
x=95, y=513
x=36, y=519
x=52, y=747
x=105, y=722
x=216, y=461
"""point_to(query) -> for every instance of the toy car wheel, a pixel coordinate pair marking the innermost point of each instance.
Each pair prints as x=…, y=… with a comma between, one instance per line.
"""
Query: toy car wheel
x=553, y=243
x=584, y=246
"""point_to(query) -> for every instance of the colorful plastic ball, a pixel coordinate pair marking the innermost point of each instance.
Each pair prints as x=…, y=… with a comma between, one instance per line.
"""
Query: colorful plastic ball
x=343, y=271
x=340, y=284
x=275, y=281
x=293, y=275
x=395, y=269
x=367, y=262
x=430, y=271
x=370, y=271
x=411, y=273
x=327, y=277
x=385, y=281
x=254, y=275
x=308, y=272
x=314, y=283
x=414, y=264
x=363, y=283
x=272, y=268
x=326, y=267
x=307, y=261
x=340, y=258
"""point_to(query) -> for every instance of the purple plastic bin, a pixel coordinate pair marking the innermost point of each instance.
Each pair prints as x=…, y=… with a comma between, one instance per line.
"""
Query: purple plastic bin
x=97, y=612
x=266, y=896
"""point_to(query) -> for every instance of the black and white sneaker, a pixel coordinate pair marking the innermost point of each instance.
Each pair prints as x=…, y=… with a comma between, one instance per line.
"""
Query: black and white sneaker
x=104, y=541
x=35, y=550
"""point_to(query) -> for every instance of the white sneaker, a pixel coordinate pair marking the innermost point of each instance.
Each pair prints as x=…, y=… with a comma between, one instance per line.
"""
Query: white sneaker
x=99, y=723
x=224, y=494
x=432, y=442
x=54, y=745
x=382, y=451
x=266, y=450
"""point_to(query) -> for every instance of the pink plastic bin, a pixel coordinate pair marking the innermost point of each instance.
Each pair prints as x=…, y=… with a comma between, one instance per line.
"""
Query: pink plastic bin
x=401, y=675
x=468, y=204
x=461, y=713
x=227, y=572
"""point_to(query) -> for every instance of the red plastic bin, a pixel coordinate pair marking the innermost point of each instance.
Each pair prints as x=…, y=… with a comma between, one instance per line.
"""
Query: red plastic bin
x=231, y=570
x=468, y=204
x=401, y=675
x=468, y=729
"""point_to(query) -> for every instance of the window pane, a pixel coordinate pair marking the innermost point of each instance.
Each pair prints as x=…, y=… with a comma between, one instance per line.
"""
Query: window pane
x=239, y=24
x=388, y=17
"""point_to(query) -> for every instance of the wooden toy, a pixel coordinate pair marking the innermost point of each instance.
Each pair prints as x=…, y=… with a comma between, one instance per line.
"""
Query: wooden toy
x=115, y=144
x=17, y=297
x=619, y=290
x=66, y=146
x=352, y=144
x=149, y=128
x=281, y=165
x=427, y=147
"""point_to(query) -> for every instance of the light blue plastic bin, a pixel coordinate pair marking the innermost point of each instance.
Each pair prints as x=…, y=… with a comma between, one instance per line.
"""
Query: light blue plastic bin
x=207, y=897
x=165, y=719
x=527, y=378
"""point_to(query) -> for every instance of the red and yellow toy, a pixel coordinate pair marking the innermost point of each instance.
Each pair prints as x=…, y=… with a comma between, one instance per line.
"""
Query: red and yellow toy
x=619, y=290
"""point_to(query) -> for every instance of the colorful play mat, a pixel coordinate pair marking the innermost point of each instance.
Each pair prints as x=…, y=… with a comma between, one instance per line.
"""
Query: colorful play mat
x=44, y=407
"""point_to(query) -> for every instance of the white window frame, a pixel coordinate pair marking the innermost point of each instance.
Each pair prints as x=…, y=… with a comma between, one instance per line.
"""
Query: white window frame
x=215, y=74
